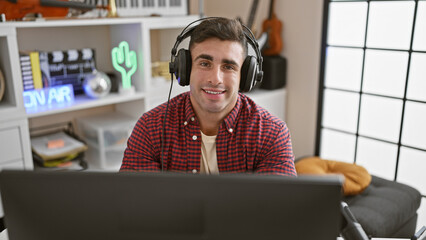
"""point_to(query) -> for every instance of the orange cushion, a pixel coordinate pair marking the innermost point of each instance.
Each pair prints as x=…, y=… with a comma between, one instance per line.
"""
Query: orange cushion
x=356, y=177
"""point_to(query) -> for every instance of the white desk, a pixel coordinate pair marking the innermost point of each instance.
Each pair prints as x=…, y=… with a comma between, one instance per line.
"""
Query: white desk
x=339, y=238
x=3, y=235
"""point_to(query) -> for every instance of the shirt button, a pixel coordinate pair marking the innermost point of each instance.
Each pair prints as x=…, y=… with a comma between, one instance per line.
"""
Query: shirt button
x=192, y=119
x=185, y=123
x=231, y=130
x=194, y=171
x=194, y=137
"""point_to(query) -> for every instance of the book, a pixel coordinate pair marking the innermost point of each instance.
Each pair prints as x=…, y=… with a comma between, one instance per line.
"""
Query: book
x=44, y=68
x=35, y=66
x=26, y=71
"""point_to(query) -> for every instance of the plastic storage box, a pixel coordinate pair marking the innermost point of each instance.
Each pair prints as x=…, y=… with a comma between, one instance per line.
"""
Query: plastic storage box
x=106, y=136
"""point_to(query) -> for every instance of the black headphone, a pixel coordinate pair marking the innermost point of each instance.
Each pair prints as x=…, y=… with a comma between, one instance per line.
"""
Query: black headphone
x=180, y=64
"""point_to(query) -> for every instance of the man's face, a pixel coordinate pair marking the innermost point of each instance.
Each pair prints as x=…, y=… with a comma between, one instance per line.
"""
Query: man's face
x=215, y=75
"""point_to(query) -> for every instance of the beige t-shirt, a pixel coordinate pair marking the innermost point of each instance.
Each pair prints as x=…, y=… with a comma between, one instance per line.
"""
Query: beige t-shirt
x=208, y=164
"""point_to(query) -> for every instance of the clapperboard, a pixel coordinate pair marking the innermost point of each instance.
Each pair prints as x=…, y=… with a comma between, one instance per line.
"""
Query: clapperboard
x=68, y=67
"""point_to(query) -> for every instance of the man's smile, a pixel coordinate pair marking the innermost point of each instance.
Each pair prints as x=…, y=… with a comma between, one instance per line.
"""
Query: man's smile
x=214, y=91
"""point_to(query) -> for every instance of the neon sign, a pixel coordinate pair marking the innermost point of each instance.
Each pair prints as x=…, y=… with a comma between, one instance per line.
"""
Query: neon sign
x=49, y=97
x=123, y=59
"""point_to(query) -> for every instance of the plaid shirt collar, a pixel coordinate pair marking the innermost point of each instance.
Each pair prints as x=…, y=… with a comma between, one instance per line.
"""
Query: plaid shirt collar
x=229, y=121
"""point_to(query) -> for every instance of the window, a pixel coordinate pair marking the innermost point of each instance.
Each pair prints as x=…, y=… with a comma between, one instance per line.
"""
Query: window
x=372, y=106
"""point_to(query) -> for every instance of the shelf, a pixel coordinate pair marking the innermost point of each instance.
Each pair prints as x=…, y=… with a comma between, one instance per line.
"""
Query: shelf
x=152, y=22
x=106, y=149
x=161, y=89
x=84, y=102
x=100, y=160
x=258, y=92
x=10, y=104
x=152, y=39
x=270, y=99
x=110, y=168
x=6, y=107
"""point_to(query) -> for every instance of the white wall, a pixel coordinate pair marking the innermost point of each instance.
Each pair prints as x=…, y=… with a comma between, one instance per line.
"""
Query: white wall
x=301, y=34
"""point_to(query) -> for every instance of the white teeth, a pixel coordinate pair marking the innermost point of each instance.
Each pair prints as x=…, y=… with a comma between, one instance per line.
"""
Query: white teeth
x=211, y=92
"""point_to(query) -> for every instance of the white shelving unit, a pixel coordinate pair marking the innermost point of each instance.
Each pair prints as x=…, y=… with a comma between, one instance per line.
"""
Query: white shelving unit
x=150, y=37
x=14, y=135
x=99, y=34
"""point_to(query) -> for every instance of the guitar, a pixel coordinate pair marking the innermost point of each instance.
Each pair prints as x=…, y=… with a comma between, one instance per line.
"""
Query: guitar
x=2, y=85
x=17, y=9
x=272, y=26
x=250, y=20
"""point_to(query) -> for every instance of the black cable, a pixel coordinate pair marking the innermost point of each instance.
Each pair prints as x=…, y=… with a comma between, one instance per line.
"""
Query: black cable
x=187, y=31
x=164, y=123
x=173, y=52
x=2, y=225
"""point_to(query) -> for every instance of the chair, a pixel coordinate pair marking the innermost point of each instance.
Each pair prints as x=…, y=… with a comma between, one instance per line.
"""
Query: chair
x=2, y=227
x=384, y=208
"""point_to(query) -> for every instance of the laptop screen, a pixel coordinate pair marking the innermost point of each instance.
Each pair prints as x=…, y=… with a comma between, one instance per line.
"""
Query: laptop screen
x=100, y=205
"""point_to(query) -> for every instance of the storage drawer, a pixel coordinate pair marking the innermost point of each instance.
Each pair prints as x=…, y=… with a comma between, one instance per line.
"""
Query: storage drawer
x=19, y=165
x=106, y=131
x=11, y=165
x=10, y=145
x=105, y=160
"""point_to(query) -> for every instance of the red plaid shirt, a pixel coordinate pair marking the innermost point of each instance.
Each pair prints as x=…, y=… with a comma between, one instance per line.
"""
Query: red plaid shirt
x=249, y=140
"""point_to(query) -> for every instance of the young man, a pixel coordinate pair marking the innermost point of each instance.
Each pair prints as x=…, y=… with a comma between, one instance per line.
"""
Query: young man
x=212, y=128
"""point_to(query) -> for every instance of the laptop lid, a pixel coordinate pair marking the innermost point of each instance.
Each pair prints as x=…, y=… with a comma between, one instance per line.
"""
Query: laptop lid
x=100, y=205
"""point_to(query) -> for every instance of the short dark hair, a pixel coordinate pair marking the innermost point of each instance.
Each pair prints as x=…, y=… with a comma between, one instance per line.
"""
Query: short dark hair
x=221, y=28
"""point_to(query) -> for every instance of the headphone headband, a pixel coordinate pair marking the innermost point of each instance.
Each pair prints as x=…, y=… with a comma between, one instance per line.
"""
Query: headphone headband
x=179, y=61
x=187, y=31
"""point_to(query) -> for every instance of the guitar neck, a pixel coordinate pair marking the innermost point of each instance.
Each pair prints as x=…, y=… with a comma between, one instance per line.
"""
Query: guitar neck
x=271, y=9
x=66, y=4
x=252, y=14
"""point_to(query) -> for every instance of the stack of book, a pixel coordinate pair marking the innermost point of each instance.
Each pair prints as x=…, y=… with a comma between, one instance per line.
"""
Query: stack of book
x=42, y=69
x=57, y=151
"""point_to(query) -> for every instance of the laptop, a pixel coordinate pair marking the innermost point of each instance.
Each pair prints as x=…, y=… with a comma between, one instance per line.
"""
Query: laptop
x=106, y=205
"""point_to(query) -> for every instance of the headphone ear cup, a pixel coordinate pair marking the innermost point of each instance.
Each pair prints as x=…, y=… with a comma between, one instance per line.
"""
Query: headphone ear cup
x=248, y=74
x=183, y=64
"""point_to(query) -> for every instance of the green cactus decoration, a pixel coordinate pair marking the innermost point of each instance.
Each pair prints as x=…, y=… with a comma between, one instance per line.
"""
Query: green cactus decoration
x=123, y=59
